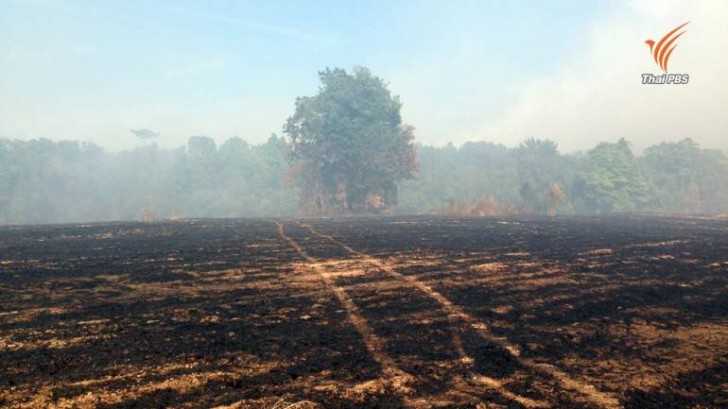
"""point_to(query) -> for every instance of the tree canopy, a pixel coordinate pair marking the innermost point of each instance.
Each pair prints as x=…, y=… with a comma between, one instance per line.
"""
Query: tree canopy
x=611, y=180
x=686, y=177
x=45, y=181
x=349, y=147
x=345, y=150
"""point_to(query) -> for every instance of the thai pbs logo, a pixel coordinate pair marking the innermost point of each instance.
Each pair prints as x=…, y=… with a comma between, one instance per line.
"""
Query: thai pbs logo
x=661, y=52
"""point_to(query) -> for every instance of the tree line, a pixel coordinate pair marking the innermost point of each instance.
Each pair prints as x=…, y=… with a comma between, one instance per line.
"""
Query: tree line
x=345, y=151
x=42, y=181
x=671, y=177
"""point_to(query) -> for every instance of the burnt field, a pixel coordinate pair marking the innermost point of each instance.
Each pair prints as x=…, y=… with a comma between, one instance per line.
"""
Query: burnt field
x=366, y=313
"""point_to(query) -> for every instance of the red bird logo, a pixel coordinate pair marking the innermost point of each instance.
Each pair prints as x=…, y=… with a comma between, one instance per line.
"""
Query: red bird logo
x=663, y=49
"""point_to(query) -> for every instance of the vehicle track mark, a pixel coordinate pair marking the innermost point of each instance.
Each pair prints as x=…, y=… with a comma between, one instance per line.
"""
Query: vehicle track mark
x=397, y=378
x=459, y=317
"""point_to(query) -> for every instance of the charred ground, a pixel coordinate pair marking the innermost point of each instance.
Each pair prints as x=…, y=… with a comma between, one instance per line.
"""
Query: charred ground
x=382, y=312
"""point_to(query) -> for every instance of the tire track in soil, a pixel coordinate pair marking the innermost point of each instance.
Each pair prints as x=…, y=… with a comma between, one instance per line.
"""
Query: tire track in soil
x=393, y=376
x=461, y=318
x=464, y=381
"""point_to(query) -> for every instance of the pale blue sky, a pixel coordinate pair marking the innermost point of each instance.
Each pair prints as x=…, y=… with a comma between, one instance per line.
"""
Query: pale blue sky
x=91, y=70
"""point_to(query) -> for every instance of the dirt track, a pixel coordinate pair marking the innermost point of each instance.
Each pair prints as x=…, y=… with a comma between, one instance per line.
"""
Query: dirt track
x=389, y=312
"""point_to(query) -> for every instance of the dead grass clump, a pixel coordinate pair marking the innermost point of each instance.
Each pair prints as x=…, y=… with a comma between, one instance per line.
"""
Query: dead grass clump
x=149, y=216
x=598, y=252
x=489, y=267
x=485, y=206
x=285, y=403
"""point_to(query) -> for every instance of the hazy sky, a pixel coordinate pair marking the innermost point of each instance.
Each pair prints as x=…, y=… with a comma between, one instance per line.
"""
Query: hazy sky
x=499, y=71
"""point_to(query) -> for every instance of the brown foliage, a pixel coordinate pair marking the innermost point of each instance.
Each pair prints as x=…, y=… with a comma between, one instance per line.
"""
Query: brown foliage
x=485, y=206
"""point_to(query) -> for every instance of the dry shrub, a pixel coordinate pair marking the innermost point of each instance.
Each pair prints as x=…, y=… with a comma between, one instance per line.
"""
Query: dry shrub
x=148, y=216
x=556, y=196
x=485, y=206
x=375, y=201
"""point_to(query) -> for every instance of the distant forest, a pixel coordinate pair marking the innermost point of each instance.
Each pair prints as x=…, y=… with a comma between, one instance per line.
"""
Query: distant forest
x=42, y=181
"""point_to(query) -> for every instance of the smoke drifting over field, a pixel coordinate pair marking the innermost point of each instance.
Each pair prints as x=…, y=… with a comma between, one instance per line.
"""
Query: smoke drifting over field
x=557, y=124
x=43, y=181
x=597, y=94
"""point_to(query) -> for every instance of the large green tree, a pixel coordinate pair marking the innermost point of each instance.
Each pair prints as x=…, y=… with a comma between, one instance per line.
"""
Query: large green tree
x=610, y=180
x=349, y=146
x=687, y=178
x=543, y=173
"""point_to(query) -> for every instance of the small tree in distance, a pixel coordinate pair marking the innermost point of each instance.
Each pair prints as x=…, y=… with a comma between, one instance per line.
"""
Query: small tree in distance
x=349, y=146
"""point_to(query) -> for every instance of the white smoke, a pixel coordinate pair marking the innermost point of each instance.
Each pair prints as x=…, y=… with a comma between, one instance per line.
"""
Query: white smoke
x=597, y=94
